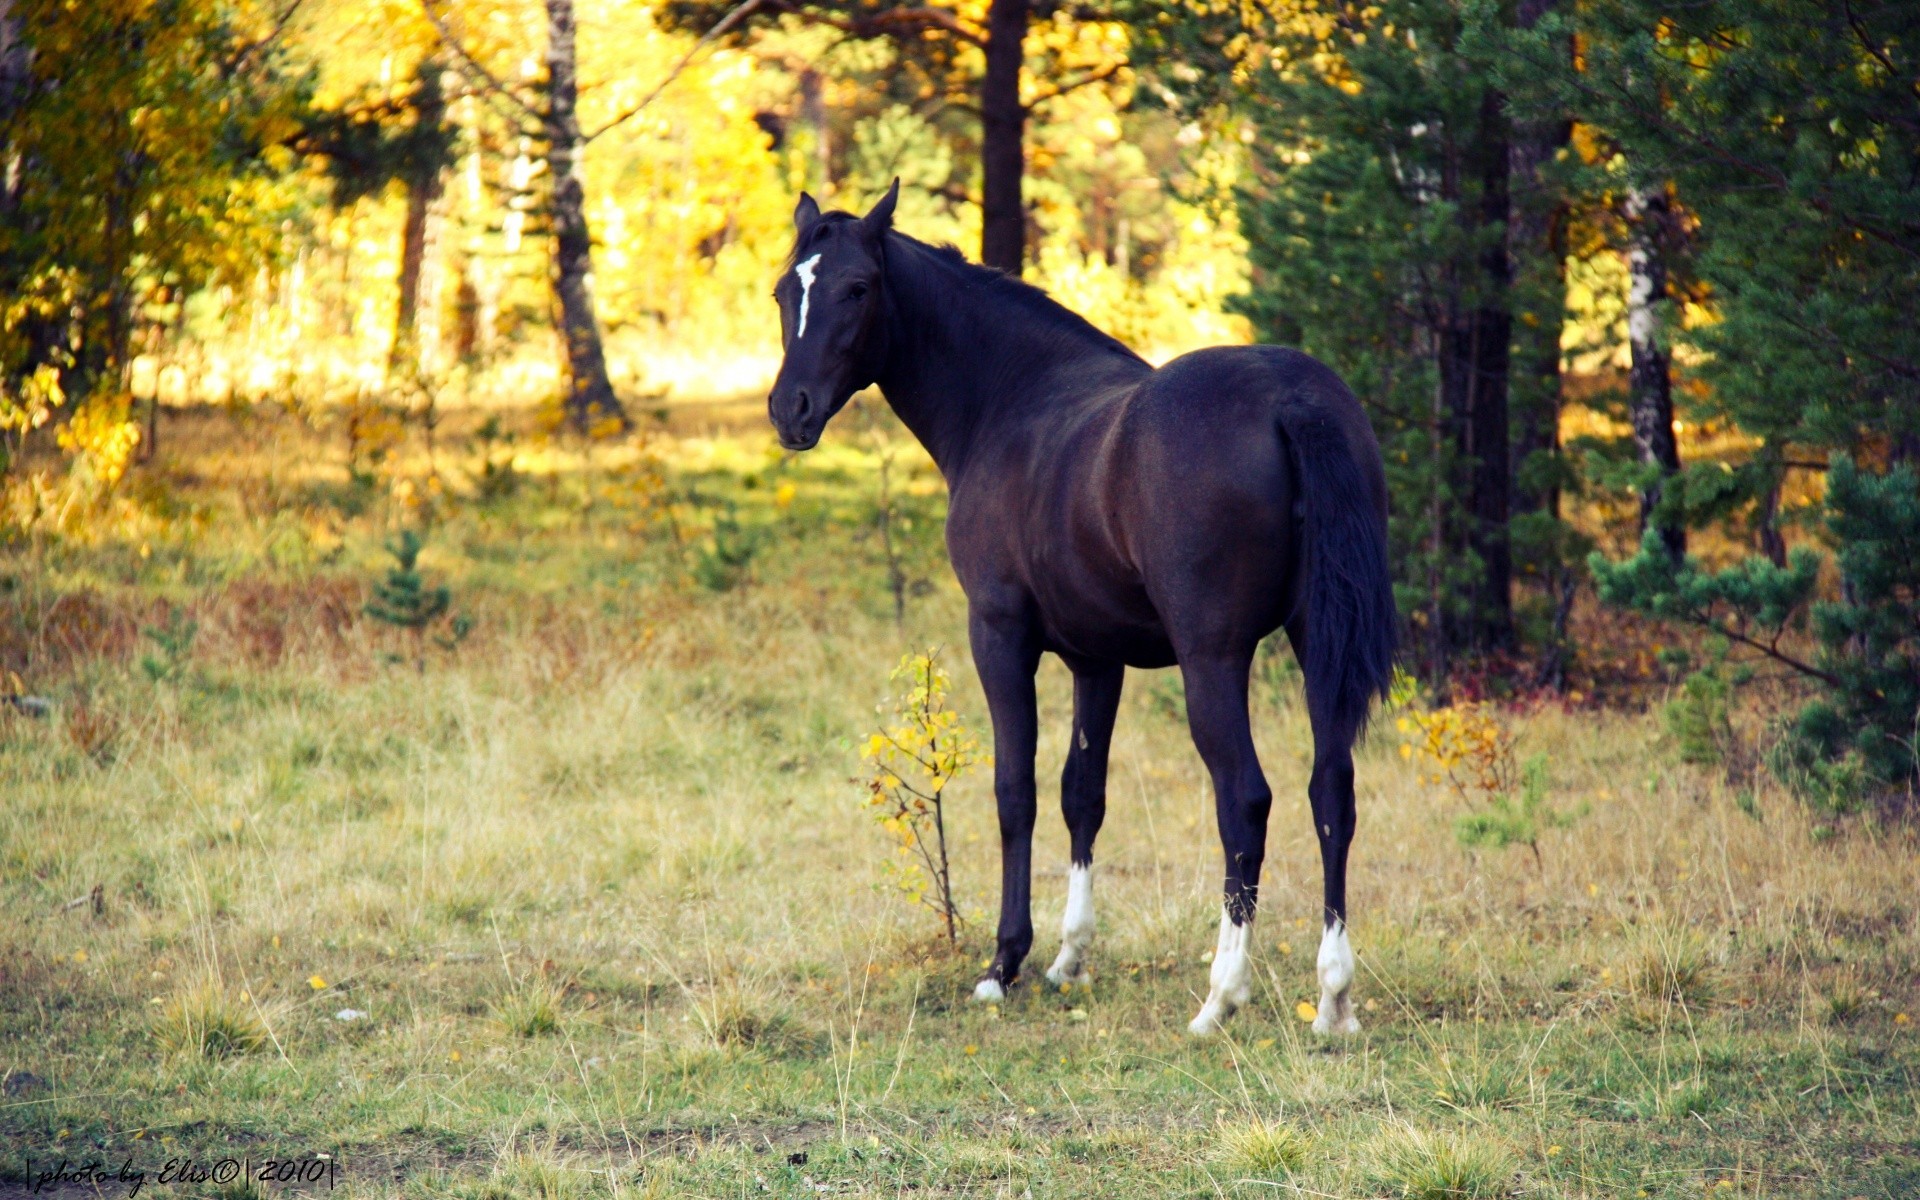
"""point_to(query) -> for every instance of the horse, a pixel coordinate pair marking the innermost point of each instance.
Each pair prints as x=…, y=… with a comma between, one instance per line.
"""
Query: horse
x=1116, y=515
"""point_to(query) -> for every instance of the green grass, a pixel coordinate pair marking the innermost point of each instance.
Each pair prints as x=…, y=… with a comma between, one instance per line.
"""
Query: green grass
x=619, y=923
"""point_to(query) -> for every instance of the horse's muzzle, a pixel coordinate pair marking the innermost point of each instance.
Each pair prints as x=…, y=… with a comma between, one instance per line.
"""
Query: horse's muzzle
x=799, y=416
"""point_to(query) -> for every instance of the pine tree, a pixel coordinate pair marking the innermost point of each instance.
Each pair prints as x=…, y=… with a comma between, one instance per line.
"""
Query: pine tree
x=1378, y=220
x=403, y=599
x=1789, y=133
x=1859, y=731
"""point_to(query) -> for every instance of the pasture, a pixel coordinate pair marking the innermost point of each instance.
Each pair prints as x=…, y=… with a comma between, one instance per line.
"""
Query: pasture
x=587, y=903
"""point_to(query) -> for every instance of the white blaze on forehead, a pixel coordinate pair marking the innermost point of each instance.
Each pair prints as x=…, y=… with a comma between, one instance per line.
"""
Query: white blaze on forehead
x=804, y=273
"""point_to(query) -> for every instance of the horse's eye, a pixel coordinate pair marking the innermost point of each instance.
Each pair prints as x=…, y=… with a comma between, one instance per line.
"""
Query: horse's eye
x=857, y=292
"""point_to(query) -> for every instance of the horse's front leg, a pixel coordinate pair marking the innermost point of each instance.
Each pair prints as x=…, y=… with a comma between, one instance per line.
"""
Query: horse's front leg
x=1006, y=653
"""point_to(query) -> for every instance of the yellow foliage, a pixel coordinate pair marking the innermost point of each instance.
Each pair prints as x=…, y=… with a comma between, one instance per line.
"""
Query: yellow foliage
x=33, y=404
x=910, y=764
x=101, y=439
x=1469, y=746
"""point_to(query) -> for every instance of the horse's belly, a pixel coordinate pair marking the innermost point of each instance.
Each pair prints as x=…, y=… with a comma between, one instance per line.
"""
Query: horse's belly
x=1109, y=630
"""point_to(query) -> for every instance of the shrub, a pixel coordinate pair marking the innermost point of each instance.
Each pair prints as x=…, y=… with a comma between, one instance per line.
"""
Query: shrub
x=1510, y=820
x=911, y=763
x=1859, y=734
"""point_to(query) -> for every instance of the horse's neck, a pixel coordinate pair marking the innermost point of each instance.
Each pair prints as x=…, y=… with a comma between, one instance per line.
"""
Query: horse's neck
x=963, y=357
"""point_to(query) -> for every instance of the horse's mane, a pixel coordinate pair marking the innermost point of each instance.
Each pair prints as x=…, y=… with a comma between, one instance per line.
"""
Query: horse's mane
x=1037, y=311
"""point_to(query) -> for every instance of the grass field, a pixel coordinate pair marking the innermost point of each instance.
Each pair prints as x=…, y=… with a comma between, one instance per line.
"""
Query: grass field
x=614, y=921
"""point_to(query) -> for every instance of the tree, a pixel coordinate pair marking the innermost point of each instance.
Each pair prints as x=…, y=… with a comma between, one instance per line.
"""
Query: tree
x=1778, y=127
x=1378, y=213
x=1792, y=134
x=548, y=110
x=1546, y=548
x=949, y=58
x=187, y=106
x=1856, y=734
x=368, y=142
x=425, y=174
x=1650, y=304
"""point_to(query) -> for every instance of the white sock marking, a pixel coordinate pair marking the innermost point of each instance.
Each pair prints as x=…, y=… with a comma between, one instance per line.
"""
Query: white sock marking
x=804, y=273
x=1230, y=978
x=989, y=991
x=1335, y=965
x=1076, y=928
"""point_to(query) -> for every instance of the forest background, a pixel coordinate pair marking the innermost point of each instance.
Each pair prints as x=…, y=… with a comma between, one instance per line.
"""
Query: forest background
x=383, y=365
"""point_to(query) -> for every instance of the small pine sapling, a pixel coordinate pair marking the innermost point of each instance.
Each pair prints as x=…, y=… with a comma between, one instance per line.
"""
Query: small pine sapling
x=1472, y=752
x=1510, y=820
x=722, y=560
x=174, y=640
x=496, y=479
x=1699, y=717
x=402, y=599
x=910, y=764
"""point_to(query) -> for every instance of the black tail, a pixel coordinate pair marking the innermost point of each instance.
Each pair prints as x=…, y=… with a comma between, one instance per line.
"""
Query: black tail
x=1353, y=627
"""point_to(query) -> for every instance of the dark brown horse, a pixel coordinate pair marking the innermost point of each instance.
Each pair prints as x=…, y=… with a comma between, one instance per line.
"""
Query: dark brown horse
x=1116, y=515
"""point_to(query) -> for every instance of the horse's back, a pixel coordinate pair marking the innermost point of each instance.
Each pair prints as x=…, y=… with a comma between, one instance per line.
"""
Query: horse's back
x=1217, y=417
x=1215, y=501
x=1145, y=519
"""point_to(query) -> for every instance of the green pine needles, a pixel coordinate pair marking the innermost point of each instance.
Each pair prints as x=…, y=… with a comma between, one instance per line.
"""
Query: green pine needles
x=1511, y=819
x=1857, y=735
x=403, y=599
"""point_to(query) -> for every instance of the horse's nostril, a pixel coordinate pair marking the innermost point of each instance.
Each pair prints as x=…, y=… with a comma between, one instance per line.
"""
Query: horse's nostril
x=804, y=403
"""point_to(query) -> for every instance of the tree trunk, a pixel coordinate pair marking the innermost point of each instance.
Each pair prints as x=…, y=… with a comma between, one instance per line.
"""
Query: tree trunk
x=425, y=181
x=16, y=65
x=1536, y=248
x=1649, y=308
x=590, y=397
x=813, y=108
x=1003, y=224
x=1480, y=352
x=1767, y=527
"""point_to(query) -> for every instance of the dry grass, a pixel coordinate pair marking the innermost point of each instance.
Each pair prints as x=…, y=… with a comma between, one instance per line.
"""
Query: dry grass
x=1449, y=1165
x=1263, y=1150
x=205, y=1020
x=639, y=788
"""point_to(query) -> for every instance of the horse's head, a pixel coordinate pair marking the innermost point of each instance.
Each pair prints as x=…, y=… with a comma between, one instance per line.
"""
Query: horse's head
x=830, y=323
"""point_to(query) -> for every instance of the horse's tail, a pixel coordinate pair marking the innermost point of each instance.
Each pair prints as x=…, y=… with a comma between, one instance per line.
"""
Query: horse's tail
x=1352, y=624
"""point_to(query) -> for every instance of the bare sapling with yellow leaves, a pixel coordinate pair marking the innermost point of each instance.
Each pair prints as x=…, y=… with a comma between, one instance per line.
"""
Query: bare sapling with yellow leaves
x=1469, y=747
x=910, y=763
x=1472, y=750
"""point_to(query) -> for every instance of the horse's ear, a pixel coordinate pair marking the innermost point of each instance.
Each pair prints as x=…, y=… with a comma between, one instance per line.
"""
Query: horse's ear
x=805, y=213
x=879, y=218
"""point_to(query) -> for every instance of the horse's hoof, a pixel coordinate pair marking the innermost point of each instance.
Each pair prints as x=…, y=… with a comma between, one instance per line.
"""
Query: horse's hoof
x=1336, y=1019
x=1212, y=1017
x=1077, y=975
x=989, y=991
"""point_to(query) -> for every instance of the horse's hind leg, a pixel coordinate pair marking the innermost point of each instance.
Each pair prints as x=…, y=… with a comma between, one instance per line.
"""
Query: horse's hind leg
x=1331, y=793
x=1083, y=802
x=1217, y=715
